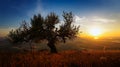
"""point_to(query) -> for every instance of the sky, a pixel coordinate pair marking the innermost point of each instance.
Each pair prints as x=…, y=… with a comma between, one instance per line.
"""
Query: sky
x=104, y=14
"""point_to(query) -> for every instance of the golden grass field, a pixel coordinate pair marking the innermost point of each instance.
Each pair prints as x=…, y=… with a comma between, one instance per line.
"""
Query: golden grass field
x=68, y=58
x=75, y=53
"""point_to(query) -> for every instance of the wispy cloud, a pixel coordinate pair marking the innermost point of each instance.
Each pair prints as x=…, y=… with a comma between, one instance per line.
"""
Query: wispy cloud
x=92, y=20
x=37, y=9
x=87, y=22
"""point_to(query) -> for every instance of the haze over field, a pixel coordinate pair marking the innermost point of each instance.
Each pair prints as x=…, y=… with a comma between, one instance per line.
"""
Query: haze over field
x=76, y=44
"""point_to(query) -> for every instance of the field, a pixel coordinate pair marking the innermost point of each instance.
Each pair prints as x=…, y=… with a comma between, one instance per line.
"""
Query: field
x=75, y=53
x=68, y=58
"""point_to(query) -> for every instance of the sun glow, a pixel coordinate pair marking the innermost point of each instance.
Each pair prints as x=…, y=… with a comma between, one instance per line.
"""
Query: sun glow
x=95, y=32
x=96, y=38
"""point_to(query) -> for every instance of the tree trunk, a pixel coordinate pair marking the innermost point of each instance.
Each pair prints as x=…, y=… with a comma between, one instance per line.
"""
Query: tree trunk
x=51, y=45
x=30, y=43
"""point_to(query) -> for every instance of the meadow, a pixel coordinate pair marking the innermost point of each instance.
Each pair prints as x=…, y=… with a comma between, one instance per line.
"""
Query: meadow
x=75, y=53
x=68, y=58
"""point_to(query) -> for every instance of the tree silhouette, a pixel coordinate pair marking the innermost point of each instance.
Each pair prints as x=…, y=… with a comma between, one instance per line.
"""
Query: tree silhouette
x=19, y=34
x=44, y=29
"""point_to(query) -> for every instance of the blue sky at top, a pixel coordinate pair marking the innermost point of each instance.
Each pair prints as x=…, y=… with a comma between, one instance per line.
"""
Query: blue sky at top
x=13, y=12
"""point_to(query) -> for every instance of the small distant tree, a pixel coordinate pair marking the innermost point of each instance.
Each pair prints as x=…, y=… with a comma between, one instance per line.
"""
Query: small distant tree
x=44, y=29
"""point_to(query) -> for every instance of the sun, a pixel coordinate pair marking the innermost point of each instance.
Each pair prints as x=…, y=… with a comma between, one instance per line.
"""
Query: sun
x=95, y=32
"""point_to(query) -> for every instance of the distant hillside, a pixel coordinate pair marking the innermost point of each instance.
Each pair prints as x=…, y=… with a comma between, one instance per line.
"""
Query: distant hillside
x=75, y=44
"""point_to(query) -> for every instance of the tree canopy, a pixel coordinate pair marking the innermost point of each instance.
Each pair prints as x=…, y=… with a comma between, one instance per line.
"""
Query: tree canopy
x=44, y=28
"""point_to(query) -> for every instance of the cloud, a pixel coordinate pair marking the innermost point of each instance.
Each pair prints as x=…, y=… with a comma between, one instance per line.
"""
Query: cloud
x=87, y=22
x=92, y=20
x=37, y=9
x=102, y=20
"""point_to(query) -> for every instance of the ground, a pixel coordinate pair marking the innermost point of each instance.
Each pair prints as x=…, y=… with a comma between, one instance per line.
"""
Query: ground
x=68, y=58
x=74, y=53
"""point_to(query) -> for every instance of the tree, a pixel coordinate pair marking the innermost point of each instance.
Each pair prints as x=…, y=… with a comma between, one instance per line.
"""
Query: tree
x=44, y=29
x=19, y=34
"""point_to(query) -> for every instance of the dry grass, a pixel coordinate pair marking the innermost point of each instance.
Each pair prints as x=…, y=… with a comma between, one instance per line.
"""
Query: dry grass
x=69, y=58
